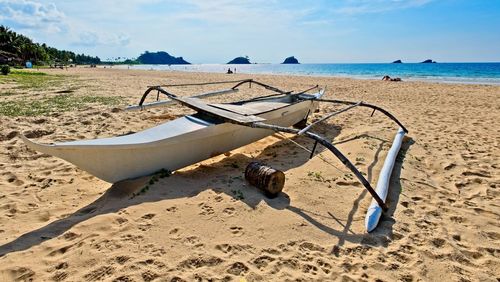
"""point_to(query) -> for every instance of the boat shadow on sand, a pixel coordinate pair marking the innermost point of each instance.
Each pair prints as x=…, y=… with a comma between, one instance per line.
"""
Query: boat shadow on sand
x=225, y=176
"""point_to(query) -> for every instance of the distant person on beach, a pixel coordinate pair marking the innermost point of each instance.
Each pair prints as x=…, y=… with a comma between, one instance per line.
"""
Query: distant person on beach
x=229, y=71
x=388, y=78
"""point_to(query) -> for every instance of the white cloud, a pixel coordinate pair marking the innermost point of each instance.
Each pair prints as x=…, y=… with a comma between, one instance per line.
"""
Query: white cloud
x=27, y=14
x=36, y=18
x=252, y=14
x=92, y=38
x=87, y=39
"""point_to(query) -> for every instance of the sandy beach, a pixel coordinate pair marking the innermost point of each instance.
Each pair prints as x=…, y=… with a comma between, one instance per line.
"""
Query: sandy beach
x=206, y=223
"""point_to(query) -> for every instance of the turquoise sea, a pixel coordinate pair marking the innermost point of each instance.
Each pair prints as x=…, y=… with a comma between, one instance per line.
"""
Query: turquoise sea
x=475, y=73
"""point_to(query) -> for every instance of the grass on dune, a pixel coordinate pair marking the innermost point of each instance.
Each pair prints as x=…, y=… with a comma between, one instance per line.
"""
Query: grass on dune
x=28, y=73
x=7, y=93
x=34, y=80
x=23, y=104
x=59, y=103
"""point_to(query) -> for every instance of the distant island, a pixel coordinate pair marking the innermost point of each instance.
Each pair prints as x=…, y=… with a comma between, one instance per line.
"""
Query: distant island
x=397, y=62
x=291, y=60
x=161, y=57
x=239, y=61
x=428, y=61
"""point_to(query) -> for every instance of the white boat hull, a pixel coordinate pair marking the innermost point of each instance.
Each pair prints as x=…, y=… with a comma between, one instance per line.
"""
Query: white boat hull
x=162, y=147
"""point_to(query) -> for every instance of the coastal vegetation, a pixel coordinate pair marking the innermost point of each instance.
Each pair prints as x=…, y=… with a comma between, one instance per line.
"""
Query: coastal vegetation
x=15, y=49
x=5, y=69
x=53, y=104
x=29, y=80
x=54, y=93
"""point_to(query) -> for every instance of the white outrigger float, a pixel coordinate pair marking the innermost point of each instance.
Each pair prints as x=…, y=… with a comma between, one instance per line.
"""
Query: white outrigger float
x=215, y=129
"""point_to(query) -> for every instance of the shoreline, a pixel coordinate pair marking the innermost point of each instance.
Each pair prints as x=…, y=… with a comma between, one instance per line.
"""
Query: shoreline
x=495, y=81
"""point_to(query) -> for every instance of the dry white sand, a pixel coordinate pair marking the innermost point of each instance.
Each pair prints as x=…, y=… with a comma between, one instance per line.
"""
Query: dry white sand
x=57, y=222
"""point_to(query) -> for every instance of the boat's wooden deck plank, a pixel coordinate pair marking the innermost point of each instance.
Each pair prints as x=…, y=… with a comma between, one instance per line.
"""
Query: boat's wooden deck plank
x=238, y=109
x=198, y=105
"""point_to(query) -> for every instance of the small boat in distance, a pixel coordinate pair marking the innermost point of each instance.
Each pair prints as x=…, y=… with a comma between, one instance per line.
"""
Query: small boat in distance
x=214, y=129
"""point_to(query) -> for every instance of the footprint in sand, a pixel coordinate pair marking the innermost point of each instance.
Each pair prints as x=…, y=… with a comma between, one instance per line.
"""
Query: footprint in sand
x=205, y=209
x=237, y=268
x=149, y=276
x=481, y=173
x=234, y=249
x=152, y=262
x=457, y=219
x=310, y=269
x=12, y=178
x=145, y=227
x=236, y=231
x=174, y=234
x=308, y=246
x=39, y=121
x=291, y=263
x=123, y=278
x=262, y=261
x=200, y=261
x=9, y=136
x=62, y=265
x=325, y=266
x=60, y=276
x=271, y=251
x=406, y=278
x=122, y=259
x=348, y=183
x=60, y=251
x=229, y=211
x=47, y=182
x=192, y=241
x=148, y=216
x=99, y=273
x=172, y=209
x=491, y=235
x=132, y=238
x=22, y=274
x=121, y=220
x=37, y=133
x=70, y=236
x=449, y=166
x=472, y=254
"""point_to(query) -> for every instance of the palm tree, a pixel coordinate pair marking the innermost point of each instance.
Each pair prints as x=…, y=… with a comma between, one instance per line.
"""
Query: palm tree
x=7, y=39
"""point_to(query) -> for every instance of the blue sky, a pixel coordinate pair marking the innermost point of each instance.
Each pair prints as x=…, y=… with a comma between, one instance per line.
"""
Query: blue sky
x=216, y=31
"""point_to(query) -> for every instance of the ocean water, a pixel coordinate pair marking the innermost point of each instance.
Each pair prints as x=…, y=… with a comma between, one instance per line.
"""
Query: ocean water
x=475, y=73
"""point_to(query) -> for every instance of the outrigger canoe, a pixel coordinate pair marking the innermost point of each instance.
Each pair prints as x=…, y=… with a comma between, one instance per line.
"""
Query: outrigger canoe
x=214, y=129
